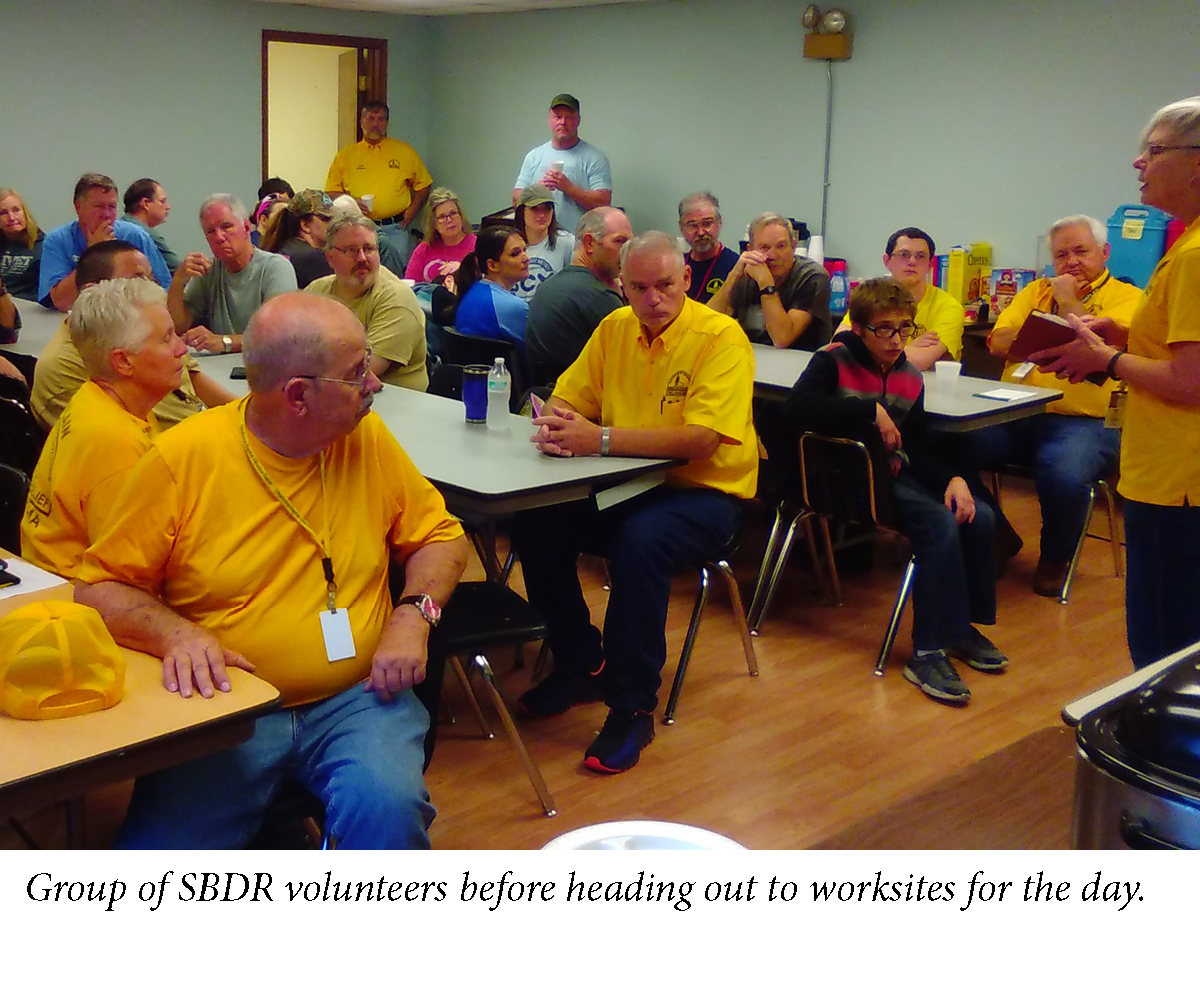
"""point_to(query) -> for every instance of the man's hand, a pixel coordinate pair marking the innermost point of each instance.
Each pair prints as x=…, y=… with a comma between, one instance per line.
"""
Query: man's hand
x=887, y=428
x=564, y=434
x=1107, y=329
x=958, y=500
x=925, y=340
x=195, y=265
x=11, y=370
x=203, y=339
x=1066, y=289
x=400, y=657
x=103, y=233
x=363, y=207
x=195, y=661
x=556, y=180
x=1077, y=359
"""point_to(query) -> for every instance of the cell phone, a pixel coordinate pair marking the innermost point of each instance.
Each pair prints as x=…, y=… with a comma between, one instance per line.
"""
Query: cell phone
x=239, y=371
x=537, y=403
x=7, y=579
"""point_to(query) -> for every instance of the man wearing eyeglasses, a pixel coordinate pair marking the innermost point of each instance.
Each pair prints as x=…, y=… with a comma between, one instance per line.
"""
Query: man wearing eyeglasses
x=1068, y=445
x=212, y=299
x=938, y=330
x=709, y=258
x=863, y=380
x=387, y=308
x=260, y=537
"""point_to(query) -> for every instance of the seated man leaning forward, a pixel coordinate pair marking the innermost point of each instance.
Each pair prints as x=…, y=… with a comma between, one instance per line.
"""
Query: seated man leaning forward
x=60, y=369
x=777, y=297
x=258, y=535
x=863, y=378
x=938, y=330
x=1068, y=446
x=212, y=301
x=126, y=338
x=664, y=377
x=387, y=308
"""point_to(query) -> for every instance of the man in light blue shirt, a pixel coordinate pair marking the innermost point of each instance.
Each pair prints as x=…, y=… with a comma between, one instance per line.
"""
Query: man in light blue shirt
x=96, y=210
x=576, y=171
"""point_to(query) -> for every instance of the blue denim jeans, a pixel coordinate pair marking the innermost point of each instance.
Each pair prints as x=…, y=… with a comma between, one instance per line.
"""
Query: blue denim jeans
x=359, y=755
x=646, y=540
x=1067, y=455
x=1162, y=580
x=955, y=583
x=403, y=241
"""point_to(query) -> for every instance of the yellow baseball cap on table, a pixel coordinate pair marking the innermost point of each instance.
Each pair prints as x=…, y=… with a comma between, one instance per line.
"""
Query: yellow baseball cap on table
x=57, y=659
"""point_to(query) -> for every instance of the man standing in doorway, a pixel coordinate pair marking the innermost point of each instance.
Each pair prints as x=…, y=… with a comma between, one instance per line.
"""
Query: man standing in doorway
x=384, y=175
x=576, y=171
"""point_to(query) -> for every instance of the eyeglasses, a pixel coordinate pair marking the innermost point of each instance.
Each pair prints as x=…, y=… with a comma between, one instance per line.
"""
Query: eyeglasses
x=370, y=250
x=447, y=216
x=1154, y=148
x=691, y=227
x=886, y=332
x=360, y=375
x=919, y=257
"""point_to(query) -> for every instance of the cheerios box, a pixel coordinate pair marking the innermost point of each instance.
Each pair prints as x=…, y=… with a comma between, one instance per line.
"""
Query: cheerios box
x=965, y=272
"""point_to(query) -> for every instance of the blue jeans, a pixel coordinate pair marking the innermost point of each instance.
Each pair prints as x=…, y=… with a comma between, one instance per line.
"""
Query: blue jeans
x=403, y=241
x=646, y=540
x=1067, y=454
x=1162, y=580
x=955, y=583
x=359, y=755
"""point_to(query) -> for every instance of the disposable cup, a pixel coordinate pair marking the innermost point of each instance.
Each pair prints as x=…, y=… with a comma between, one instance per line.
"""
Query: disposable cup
x=947, y=371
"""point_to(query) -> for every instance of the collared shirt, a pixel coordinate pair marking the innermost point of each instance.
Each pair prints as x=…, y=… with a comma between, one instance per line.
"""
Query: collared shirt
x=64, y=246
x=391, y=170
x=169, y=256
x=698, y=372
x=1110, y=297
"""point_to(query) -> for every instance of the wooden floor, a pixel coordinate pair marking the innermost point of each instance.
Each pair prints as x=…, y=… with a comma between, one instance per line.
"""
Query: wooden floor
x=815, y=744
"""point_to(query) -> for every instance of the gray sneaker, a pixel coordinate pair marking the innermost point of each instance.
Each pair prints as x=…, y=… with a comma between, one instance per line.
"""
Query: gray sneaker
x=978, y=652
x=933, y=674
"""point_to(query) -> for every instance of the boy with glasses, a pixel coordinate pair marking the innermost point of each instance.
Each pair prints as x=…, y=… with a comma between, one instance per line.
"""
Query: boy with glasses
x=863, y=384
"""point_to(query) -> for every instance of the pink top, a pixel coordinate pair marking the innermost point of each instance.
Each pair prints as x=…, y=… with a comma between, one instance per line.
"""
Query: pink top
x=428, y=259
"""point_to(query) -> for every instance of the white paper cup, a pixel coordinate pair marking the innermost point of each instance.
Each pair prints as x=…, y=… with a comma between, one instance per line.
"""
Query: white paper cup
x=947, y=371
x=556, y=165
x=369, y=201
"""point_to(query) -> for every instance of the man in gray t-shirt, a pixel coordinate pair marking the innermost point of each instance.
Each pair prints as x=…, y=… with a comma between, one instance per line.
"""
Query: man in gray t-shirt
x=212, y=301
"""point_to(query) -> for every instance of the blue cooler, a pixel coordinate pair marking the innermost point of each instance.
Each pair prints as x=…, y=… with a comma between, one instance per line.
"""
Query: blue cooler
x=1138, y=235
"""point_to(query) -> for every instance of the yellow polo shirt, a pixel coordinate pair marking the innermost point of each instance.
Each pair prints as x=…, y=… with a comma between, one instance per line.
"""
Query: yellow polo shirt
x=390, y=170
x=74, y=487
x=196, y=527
x=938, y=312
x=1110, y=297
x=1160, y=445
x=698, y=372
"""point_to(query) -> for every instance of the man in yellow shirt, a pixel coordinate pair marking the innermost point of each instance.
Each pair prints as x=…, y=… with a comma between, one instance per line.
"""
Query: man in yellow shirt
x=260, y=534
x=384, y=175
x=385, y=305
x=938, y=333
x=663, y=377
x=124, y=333
x=1068, y=446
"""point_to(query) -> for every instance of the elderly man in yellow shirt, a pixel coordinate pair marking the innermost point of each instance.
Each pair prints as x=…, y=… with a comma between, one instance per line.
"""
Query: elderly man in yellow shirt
x=1068, y=446
x=260, y=533
x=124, y=334
x=664, y=377
x=384, y=175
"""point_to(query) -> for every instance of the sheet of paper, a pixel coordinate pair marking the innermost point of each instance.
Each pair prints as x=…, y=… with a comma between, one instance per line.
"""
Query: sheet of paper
x=33, y=578
x=1005, y=395
x=628, y=490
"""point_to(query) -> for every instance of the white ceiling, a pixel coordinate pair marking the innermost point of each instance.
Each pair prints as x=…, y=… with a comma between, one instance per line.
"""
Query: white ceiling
x=449, y=6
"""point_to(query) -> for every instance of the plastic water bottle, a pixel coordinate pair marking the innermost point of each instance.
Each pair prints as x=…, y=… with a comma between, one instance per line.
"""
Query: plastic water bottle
x=499, y=384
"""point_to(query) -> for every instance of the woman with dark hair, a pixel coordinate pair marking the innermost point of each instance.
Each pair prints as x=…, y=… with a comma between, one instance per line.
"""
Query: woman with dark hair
x=447, y=240
x=550, y=247
x=298, y=233
x=20, y=246
x=487, y=306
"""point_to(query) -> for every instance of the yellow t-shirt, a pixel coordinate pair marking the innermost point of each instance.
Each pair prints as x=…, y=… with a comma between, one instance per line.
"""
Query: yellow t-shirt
x=60, y=372
x=394, y=322
x=698, y=372
x=196, y=527
x=391, y=171
x=1109, y=297
x=74, y=487
x=1160, y=444
x=938, y=312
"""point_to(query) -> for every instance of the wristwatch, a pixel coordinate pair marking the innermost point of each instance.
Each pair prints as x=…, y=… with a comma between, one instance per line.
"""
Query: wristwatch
x=769, y=290
x=430, y=610
x=227, y=342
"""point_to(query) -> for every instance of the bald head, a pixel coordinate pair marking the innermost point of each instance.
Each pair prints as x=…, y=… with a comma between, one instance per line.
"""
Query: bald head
x=294, y=334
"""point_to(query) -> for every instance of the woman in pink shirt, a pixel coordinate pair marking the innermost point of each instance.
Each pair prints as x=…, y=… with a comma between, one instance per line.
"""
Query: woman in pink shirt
x=446, y=241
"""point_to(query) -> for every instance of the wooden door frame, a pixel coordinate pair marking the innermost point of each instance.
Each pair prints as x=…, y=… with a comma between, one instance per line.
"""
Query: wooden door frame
x=376, y=81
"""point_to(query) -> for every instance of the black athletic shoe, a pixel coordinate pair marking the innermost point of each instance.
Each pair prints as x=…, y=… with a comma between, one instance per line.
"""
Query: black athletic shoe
x=620, y=742
x=562, y=690
x=978, y=652
x=935, y=675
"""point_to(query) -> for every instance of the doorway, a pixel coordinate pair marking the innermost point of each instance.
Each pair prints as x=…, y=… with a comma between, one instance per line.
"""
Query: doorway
x=313, y=89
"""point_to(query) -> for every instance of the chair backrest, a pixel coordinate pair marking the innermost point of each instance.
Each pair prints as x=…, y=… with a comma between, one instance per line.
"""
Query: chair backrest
x=446, y=380
x=846, y=478
x=463, y=349
x=21, y=438
x=14, y=486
